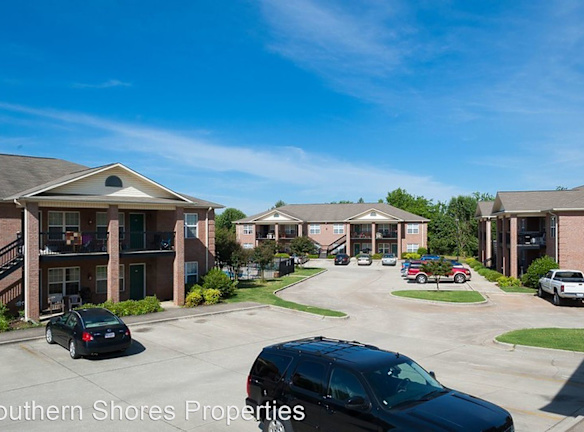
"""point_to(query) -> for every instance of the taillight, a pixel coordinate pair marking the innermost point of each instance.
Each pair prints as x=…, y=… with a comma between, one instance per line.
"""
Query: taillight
x=128, y=333
x=86, y=337
x=562, y=288
x=248, y=386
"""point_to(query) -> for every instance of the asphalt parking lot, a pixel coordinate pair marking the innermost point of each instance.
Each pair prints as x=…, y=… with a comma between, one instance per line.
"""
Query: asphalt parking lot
x=206, y=360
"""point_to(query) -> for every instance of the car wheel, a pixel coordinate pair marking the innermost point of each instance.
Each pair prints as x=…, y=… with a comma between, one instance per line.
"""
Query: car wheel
x=539, y=291
x=73, y=349
x=421, y=279
x=277, y=425
x=459, y=278
x=557, y=299
x=49, y=336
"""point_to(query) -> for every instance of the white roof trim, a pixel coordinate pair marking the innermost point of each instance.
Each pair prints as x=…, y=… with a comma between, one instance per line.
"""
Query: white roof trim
x=271, y=212
x=375, y=210
x=107, y=168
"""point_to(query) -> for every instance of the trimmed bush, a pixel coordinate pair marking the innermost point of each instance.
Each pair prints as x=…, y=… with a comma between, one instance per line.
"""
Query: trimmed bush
x=510, y=281
x=411, y=255
x=212, y=296
x=195, y=296
x=376, y=256
x=218, y=280
x=331, y=256
x=422, y=251
x=282, y=255
x=129, y=307
x=4, y=318
x=313, y=256
x=537, y=269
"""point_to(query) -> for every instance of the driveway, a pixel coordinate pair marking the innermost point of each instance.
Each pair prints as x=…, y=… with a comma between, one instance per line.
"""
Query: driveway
x=206, y=360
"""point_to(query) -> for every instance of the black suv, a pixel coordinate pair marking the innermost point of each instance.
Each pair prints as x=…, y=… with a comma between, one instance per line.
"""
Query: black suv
x=334, y=386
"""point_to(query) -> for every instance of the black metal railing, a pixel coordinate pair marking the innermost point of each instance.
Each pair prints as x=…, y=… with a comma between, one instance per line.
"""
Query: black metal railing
x=386, y=235
x=134, y=241
x=11, y=252
x=72, y=242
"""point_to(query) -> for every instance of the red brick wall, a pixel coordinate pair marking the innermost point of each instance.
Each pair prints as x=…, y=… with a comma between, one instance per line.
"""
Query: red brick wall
x=570, y=244
x=10, y=223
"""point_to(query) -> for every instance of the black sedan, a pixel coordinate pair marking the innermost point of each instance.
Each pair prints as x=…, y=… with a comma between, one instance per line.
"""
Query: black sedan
x=89, y=331
x=342, y=259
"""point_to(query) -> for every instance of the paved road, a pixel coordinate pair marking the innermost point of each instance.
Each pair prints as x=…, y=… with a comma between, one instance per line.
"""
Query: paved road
x=207, y=359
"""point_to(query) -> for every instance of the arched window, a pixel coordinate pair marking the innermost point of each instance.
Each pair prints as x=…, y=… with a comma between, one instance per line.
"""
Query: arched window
x=113, y=181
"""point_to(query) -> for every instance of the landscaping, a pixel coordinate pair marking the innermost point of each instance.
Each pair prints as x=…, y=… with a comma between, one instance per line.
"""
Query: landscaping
x=508, y=284
x=9, y=322
x=555, y=338
x=442, y=296
x=263, y=292
x=147, y=305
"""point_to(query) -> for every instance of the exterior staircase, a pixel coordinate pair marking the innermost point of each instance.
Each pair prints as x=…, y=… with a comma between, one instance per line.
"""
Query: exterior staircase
x=11, y=257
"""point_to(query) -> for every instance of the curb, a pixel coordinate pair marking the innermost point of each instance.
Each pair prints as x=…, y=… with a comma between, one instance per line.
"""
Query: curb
x=308, y=314
x=485, y=302
x=299, y=281
x=534, y=348
x=570, y=423
x=154, y=321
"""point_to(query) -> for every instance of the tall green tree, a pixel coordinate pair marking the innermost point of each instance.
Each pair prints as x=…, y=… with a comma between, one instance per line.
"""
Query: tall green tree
x=279, y=203
x=302, y=246
x=461, y=211
x=419, y=205
x=263, y=255
x=226, y=219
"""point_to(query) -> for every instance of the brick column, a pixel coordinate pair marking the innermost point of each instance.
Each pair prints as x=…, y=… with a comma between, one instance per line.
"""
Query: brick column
x=348, y=243
x=211, y=245
x=32, y=309
x=178, y=285
x=399, y=239
x=513, y=259
x=373, y=237
x=488, y=240
x=113, y=248
x=500, y=235
x=277, y=232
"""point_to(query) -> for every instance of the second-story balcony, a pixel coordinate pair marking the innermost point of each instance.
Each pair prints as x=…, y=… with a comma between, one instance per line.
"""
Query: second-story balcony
x=386, y=235
x=361, y=234
x=531, y=238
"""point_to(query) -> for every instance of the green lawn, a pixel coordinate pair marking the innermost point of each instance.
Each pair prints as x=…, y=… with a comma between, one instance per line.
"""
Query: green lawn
x=444, y=296
x=556, y=338
x=520, y=289
x=263, y=292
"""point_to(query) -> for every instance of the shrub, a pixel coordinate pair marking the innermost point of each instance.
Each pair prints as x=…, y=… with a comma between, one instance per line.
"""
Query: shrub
x=212, y=296
x=129, y=307
x=510, y=281
x=331, y=256
x=422, y=251
x=313, y=256
x=537, y=269
x=194, y=296
x=376, y=256
x=282, y=255
x=4, y=318
x=218, y=280
x=411, y=255
x=490, y=275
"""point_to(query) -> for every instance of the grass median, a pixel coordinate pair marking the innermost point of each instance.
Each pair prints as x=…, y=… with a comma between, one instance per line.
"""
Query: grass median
x=518, y=289
x=263, y=292
x=555, y=338
x=442, y=296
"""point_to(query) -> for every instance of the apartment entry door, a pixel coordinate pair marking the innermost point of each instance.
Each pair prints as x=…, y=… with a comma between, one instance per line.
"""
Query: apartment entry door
x=137, y=231
x=137, y=281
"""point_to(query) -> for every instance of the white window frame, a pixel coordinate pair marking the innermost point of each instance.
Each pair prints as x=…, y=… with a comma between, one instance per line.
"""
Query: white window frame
x=62, y=225
x=248, y=229
x=289, y=229
x=413, y=247
x=189, y=267
x=553, y=226
x=100, y=276
x=338, y=229
x=314, y=229
x=413, y=228
x=384, y=248
x=190, y=226
x=100, y=224
x=74, y=277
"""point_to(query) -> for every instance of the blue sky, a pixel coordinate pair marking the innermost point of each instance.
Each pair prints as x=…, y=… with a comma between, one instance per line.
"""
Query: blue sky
x=248, y=102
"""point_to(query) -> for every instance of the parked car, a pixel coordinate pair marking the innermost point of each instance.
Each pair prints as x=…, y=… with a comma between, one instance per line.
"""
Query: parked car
x=344, y=386
x=389, y=259
x=406, y=265
x=427, y=257
x=299, y=259
x=563, y=285
x=342, y=259
x=364, y=259
x=88, y=331
x=458, y=274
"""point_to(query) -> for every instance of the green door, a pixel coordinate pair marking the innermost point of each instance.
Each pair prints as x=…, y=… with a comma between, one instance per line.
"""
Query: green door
x=357, y=248
x=394, y=248
x=136, y=231
x=137, y=281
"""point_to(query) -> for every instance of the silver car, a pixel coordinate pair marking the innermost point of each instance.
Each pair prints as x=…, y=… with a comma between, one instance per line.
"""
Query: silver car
x=364, y=259
x=388, y=259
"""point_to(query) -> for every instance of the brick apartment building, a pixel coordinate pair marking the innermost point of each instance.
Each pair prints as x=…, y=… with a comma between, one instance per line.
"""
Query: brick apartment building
x=102, y=233
x=531, y=224
x=350, y=228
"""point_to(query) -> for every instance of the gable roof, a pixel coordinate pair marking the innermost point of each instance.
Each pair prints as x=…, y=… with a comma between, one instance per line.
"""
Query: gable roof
x=335, y=212
x=538, y=201
x=484, y=209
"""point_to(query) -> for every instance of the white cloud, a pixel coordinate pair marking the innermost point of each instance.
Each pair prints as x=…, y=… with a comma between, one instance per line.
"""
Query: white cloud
x=105, y=84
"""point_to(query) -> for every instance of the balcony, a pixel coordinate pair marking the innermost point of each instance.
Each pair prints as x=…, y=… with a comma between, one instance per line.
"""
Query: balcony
x=388, y=235
x=360, y=234
x=147, y=241
x=531, y=239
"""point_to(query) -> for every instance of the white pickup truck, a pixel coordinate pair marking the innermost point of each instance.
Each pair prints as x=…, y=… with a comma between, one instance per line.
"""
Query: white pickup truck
x=562, y=284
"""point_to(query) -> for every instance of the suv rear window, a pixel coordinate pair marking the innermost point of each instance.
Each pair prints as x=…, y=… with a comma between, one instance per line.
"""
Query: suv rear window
x=309, y=376
x=271, y=366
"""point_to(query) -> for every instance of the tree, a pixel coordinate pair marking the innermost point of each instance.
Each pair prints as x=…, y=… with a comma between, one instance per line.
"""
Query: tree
x=461, y=210
x=279, y=203
x=302, y=246
x=561, y=188
x=419, y=205
x=226, y=219
x=225, y=246
x=437, y=268
x=239, y=258
x=263, y=255
x=361, y=201
x=539, y=267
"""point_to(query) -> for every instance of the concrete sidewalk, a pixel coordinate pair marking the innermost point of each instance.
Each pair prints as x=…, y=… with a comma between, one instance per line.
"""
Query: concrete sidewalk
x=170, y=313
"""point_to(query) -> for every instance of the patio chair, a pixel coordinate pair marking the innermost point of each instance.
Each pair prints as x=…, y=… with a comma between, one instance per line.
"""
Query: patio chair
x=56, y=303
x=74, y=300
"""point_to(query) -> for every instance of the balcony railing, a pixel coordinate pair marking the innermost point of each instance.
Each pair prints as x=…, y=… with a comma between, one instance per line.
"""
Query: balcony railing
x=360, y=235
x=386, y=235
x=136, y=241
x=72, y=242
x=533, y=238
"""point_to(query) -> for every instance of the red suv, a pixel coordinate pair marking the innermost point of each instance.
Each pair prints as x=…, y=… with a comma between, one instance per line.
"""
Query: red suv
x=458, y=274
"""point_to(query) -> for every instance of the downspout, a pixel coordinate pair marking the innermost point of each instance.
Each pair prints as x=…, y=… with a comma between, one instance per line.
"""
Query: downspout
x=556, y=236
x=207, y=240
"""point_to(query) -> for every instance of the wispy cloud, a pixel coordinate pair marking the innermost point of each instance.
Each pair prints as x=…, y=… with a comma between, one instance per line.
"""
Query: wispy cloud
x=315, y=177
x=105, y=84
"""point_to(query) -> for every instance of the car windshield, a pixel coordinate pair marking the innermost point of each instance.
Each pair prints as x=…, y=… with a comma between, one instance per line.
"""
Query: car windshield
x=402, y=383
x=100, y=320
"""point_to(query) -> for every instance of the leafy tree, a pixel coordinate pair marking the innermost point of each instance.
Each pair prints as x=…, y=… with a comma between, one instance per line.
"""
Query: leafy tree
x=537, y=269
x=225, y=246
x=217, y=280
x=302, y=246
x=263, y=254
x=419, y=205
x=461, y=210
x=239, y=258
x=279, y=203
x=437, y=268
x=226, y=219
x=361, y=201
x=561, y=188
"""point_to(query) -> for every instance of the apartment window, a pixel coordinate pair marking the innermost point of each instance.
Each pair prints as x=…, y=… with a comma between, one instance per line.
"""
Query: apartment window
x=64, y=280
x=248, y=229
x=191, y=221
x=314, y=229
x=191, y=273
x=413, y=228
x=101, y=279
x=553, y=225
x=383, y=248
x=248, y=245
x=60, y=222
x=413, y=247
x=338, y=229
x=290, y=230
x=101, y=225
x=114, y=181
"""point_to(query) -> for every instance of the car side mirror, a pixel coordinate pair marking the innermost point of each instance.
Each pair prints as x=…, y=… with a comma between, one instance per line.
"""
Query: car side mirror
x=357, y=403
x=432, y=374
